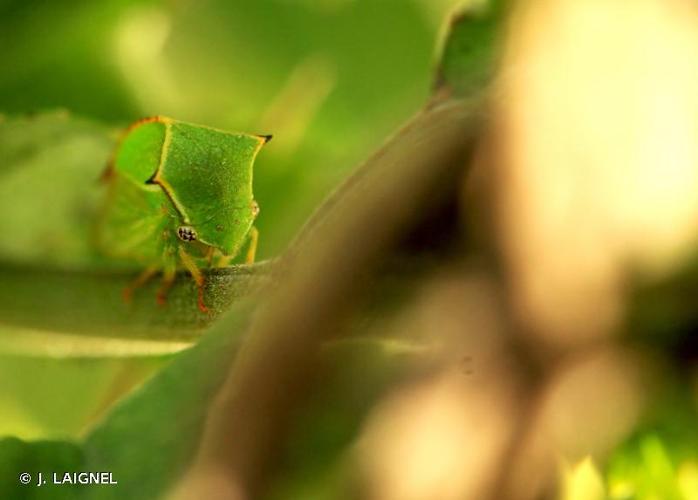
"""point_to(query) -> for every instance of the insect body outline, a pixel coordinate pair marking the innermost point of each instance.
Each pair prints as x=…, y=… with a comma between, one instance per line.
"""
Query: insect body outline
x=179, y=197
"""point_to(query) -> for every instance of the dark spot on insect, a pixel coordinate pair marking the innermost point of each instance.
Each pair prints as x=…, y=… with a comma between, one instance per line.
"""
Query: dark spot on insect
x=255, y=208
x=219, y=228
x=186, y=233
x=266, y=138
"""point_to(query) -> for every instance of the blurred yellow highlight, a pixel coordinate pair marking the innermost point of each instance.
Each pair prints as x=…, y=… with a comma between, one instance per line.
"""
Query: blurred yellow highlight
x=291, y=112
x=598, y=132
x=687, y=478
x=582, y=481
x=439, y=439
x=139, y=42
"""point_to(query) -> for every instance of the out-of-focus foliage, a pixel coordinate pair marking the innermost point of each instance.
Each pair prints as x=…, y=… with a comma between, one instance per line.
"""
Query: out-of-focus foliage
x=18, y=457
x=469, y=56
x=582, y=481
x=49, y=183
x=646, y=470
x=313, y=73
x=161, y=421
x=145, y=442
x=649, y=466
x=331, y=79
x=595, y=207
x=660, y=461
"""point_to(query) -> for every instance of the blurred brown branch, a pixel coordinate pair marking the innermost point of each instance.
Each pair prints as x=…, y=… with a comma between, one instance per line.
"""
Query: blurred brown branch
x=365, y=221
x=573, y=188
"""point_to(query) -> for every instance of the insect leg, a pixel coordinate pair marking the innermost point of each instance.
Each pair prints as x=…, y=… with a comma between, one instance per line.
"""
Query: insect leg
x=168, y=278
x=141, y=280
x=209, y=255
x=252, y=249
x=196, y=274
x=223, y=260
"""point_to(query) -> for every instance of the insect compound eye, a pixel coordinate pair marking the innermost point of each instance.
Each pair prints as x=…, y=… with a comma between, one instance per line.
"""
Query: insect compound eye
x=186, y=233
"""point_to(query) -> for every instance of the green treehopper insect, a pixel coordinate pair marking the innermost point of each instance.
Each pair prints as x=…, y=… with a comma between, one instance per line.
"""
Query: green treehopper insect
x=179, y=197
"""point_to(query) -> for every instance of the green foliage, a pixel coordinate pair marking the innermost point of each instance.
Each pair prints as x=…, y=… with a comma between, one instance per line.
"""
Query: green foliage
x=469, y=53
x=49, y=175
x=660, y=460
x=146, y=440
x=39, y=72
x=645, y=469
x=52, y=162
x=18, y=457
x=329, y=96
x=149, y=438
x=313, y=73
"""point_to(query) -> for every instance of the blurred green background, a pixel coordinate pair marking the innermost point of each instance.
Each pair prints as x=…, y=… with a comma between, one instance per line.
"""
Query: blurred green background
x=329, y=78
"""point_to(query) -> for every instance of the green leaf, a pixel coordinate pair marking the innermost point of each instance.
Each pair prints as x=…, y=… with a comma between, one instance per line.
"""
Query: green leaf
x=658, y=459
x=38, y=72
x=18, y=457
x=145, y=441
x=53, y=283
x=148, y=438
x=49, y=171
x=470, y=49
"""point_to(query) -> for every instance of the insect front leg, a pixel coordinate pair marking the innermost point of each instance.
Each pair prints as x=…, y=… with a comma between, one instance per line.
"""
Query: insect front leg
x=252, y=248
x=168, y=277
x=141, y=280
x=196, y=274
x=253, y=236
x=210, y=252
